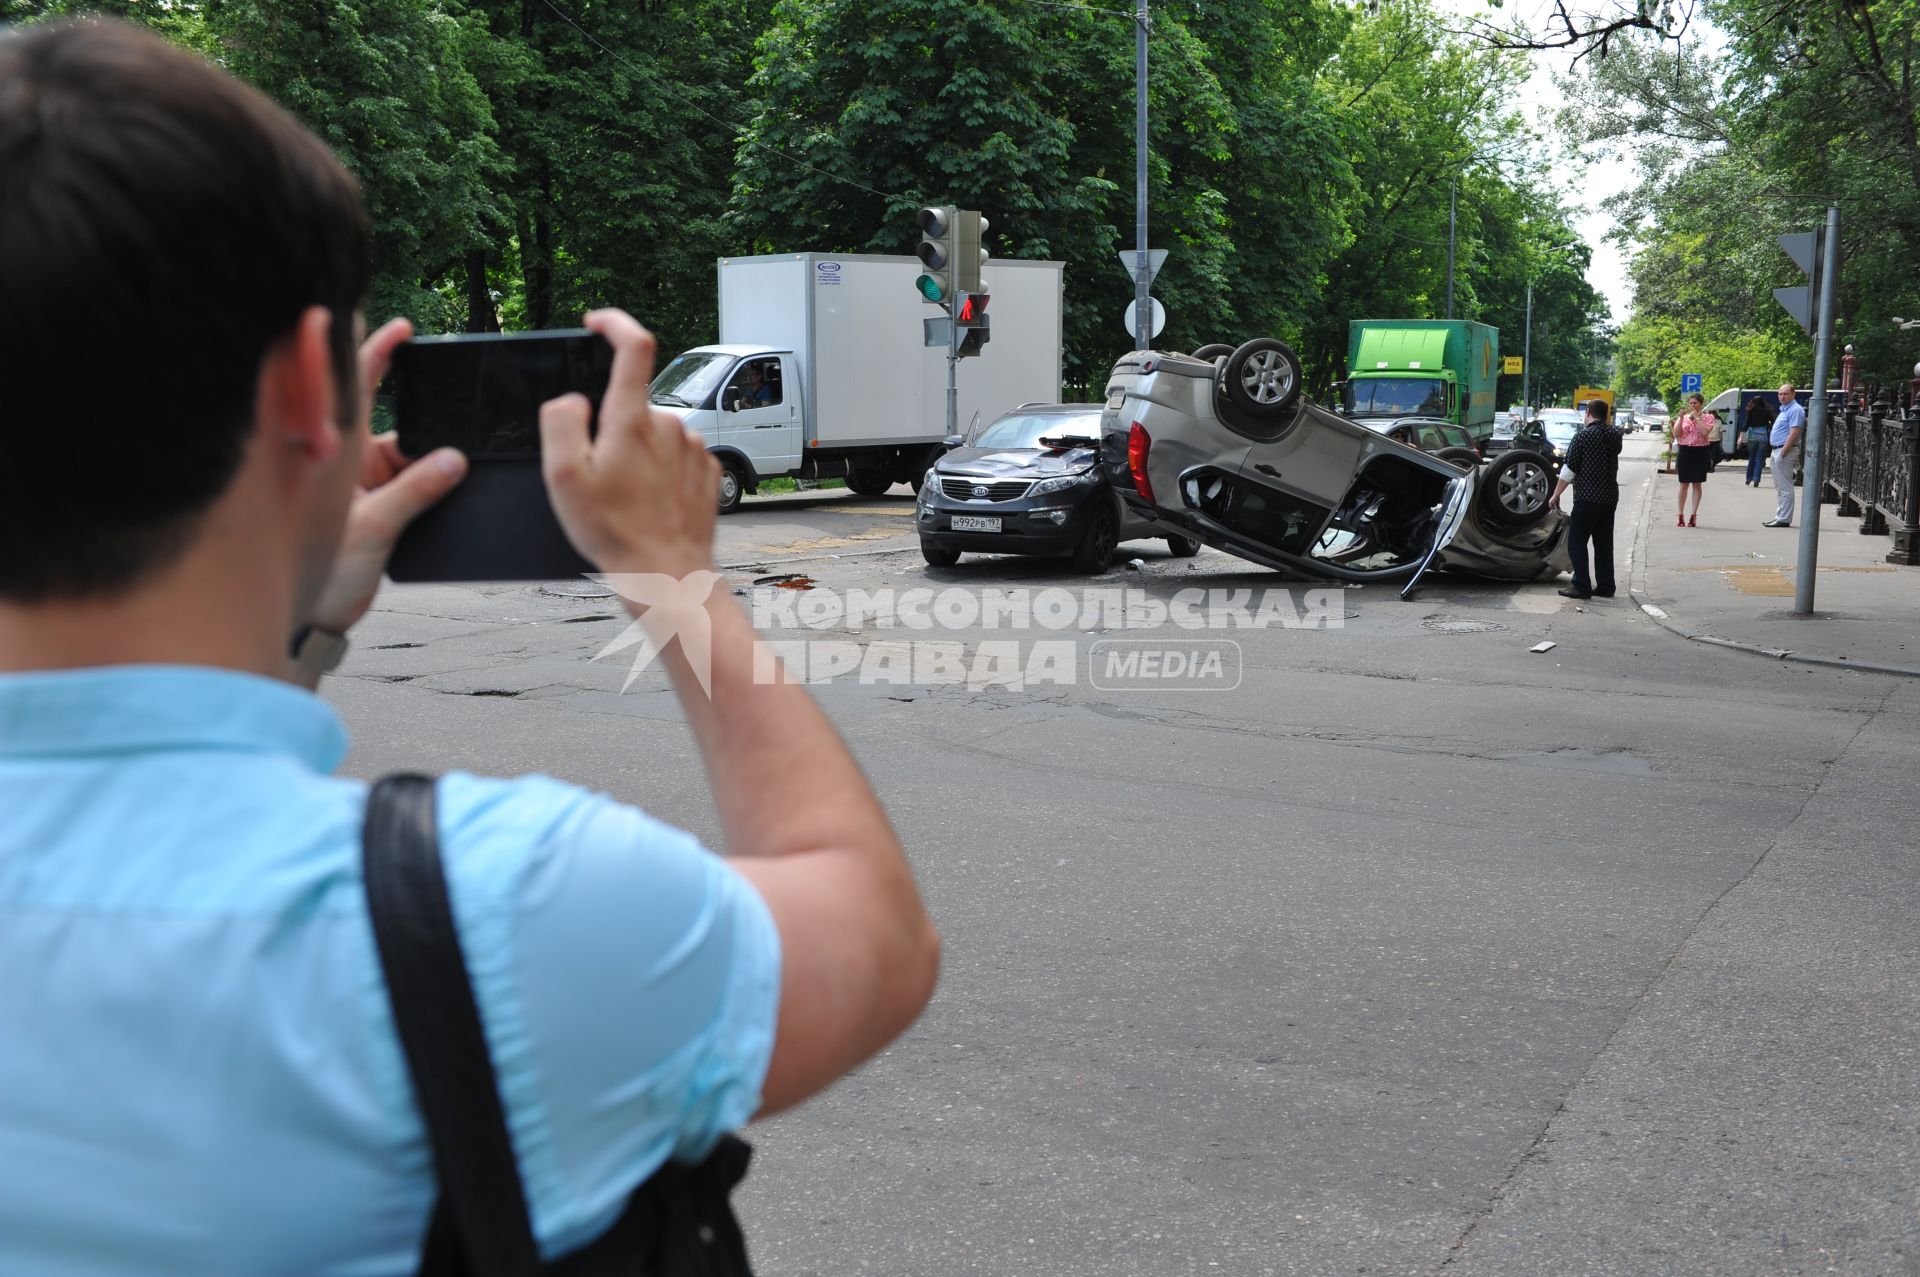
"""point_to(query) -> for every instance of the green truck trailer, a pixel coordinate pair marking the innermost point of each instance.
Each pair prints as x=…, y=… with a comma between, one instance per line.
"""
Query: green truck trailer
x=1448, y=368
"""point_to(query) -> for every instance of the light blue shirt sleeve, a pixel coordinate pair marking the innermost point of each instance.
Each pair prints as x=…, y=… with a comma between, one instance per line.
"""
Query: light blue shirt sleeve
x=629, y=980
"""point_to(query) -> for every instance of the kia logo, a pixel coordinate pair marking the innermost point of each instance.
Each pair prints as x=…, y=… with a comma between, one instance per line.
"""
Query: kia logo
x=979, y=491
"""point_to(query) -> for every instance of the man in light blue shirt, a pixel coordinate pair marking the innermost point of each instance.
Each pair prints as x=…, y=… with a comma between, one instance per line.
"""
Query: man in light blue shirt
x=200, y=1073
x=1788, y=428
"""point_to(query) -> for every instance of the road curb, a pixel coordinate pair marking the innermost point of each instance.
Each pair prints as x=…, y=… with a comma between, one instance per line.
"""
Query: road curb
x=1636, y=590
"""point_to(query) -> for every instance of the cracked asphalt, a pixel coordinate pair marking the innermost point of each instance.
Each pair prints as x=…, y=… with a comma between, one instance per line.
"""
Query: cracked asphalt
x=1414, y=952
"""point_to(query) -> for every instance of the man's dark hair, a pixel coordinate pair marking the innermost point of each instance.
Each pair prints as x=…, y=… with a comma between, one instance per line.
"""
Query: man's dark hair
x=1597, y=410
x=161, y=225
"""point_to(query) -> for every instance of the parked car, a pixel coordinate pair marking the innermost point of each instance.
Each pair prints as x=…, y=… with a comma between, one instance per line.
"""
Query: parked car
x=1438, y=438
x=1227, y=450
x=1029, y=484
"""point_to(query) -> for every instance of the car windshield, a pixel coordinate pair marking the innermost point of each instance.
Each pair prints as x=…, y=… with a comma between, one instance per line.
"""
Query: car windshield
x=1026, y=429
x=1395, y=397
x=1560, y=427
x=689, y=379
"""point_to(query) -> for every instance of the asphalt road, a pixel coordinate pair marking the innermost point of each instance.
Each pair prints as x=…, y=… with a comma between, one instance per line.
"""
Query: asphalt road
x=1413, y=952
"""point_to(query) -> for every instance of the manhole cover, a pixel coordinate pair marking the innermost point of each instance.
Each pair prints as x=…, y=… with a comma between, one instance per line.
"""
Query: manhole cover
x=580, y=589
x=1464, y=627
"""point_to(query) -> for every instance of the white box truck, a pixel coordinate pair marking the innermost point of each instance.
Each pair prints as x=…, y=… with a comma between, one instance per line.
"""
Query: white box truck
x=822, y=370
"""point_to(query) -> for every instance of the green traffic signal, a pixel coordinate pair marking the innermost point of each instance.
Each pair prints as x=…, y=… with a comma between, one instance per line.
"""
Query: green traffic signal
x=931, y=288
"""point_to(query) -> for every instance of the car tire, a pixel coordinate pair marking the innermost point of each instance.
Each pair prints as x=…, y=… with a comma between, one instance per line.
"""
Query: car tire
x=1182, y=547
x=1212, y=351
x=920, y=472
x=1260, y=379
x=1094, y=554
x=732, y=486
x=1464, y=457
x=868, y=483
x=1517, y=489
x=938, y=556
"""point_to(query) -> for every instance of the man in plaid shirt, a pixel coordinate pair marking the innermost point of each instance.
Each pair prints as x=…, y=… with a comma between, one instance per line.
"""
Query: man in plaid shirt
x=1593, y=459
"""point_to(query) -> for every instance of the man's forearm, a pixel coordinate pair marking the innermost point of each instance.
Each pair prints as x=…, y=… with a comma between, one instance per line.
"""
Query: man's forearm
x=783, y=779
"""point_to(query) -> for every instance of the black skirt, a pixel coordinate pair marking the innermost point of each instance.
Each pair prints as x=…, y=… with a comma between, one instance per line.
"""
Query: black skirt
x=1694, y=463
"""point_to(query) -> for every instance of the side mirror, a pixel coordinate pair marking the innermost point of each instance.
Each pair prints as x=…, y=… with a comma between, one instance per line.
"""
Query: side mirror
x=954, y=441
x=730, y=401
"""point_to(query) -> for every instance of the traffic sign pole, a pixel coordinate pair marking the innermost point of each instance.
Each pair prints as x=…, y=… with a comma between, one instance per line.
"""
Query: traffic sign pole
x=1143, y=275
x=1811, y=447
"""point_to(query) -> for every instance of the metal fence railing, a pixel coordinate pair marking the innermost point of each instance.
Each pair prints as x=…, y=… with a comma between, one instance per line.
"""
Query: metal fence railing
x=1872, y=472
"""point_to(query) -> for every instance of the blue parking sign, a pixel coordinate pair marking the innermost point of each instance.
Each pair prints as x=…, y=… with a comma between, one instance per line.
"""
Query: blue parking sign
x=1690, y=383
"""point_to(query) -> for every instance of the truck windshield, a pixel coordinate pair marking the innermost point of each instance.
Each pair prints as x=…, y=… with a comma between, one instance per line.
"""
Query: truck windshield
x=1025, y=430
x=1395, y=397
x=691, y=378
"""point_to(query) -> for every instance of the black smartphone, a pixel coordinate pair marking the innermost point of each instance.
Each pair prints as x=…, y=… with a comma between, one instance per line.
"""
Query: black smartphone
x=481, y=393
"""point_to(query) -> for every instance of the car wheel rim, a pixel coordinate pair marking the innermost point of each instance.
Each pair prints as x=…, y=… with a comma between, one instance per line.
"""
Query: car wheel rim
x=1523, y=488
x=1267, y=377
x=729, y=488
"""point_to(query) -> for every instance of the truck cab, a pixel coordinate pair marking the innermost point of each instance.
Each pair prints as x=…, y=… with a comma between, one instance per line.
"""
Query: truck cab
x=745, y=401
x=1439, y=368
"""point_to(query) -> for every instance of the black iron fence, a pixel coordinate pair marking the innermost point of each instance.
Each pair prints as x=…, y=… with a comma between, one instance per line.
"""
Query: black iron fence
x=1873, y=473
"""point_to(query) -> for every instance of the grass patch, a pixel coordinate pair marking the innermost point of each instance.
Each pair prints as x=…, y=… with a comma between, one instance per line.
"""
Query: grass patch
x=795, y=485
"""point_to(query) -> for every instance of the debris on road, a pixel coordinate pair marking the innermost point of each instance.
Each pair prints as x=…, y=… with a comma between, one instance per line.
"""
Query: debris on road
x=1542, y=647
x=786, y=581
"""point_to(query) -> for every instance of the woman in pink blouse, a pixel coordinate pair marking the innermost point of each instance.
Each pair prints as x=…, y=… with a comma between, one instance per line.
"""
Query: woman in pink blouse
x=1693, y=439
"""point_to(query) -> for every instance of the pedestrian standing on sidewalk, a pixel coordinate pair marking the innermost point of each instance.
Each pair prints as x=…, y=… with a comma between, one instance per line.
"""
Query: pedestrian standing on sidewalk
x=1693, y=437
x=1594, y=460
x=1787, y=429
x=1760, y=415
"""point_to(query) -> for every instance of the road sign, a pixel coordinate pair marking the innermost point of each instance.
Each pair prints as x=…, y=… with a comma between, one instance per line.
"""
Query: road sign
x=1157, y=320
x=1512, y=366
x=1130, y=262
x=1690, y=383
x=938, y=331
x=1805, y=249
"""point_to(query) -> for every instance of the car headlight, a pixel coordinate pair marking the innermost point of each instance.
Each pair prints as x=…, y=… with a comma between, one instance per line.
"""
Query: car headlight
x=1060, y=484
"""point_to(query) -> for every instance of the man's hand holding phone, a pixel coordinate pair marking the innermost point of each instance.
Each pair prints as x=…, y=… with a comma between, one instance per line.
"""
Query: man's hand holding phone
x=392, y=490
x=639, y=497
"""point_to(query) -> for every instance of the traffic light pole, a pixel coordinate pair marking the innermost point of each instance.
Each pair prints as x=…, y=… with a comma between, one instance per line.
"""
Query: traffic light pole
x=953, y=348
x=1812, y=464
x=1142, y=272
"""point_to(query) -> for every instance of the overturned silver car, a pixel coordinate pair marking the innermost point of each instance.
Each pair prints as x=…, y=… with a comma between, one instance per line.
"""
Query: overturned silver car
x=1222, y=445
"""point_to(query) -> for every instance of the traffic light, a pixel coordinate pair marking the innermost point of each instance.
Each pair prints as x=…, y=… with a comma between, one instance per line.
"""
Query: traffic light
x=969, y=250
x=937, y=227
x=970, y=316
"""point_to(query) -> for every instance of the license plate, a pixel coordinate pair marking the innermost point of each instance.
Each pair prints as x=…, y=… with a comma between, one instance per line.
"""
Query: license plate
x=976, y=523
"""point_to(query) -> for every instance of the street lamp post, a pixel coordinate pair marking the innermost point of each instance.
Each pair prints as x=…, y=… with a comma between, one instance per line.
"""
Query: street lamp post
x=1526, y=355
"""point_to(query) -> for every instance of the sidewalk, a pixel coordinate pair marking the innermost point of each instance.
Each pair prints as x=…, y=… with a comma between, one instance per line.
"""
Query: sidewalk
x=1731, y=581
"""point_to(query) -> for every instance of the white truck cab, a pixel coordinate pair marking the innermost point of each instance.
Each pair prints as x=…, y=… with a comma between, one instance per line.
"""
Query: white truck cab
x=744, y=400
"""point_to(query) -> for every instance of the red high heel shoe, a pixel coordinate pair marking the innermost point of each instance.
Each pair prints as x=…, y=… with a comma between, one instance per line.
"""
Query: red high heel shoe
x=1694, y=522
x=1680, y=521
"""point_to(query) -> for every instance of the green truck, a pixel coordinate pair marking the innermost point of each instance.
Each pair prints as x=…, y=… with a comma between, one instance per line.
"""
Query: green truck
x=1447, y=368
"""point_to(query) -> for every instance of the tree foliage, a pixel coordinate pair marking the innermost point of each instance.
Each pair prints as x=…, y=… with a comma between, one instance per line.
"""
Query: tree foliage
x=1809, y=102
x=525, y=160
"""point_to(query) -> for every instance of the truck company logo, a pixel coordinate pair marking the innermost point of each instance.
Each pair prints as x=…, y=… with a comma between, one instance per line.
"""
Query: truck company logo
x=826, y=272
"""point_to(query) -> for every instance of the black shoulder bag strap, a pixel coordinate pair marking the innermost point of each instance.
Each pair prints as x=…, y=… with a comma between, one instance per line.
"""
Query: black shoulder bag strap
x=440, y=1031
